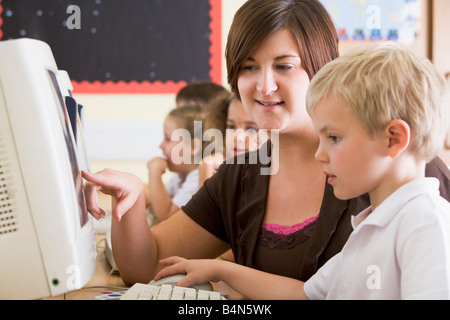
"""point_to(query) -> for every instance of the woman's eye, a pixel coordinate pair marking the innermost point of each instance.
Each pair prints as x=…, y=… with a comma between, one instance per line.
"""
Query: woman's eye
x=284, y=67
x=249, y=68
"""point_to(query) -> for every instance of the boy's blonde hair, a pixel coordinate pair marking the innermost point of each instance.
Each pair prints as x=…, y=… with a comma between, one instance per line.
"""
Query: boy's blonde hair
x=382, y=82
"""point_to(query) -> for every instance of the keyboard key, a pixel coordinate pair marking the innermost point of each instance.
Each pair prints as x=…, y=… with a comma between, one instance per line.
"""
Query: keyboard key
x=141, y=291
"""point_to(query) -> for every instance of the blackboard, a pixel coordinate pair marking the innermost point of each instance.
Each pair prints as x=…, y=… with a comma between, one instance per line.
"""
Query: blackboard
x=107, y=46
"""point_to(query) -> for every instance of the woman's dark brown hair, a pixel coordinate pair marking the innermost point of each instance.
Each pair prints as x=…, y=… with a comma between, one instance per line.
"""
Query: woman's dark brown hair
x=308, y=20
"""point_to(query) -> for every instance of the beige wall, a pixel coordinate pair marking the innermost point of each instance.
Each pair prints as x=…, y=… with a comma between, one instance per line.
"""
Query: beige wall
x=441, y=49
x=441, y=35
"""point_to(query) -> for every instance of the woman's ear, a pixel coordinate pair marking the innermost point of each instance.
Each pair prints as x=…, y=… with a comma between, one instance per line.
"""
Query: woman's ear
x=398, y=133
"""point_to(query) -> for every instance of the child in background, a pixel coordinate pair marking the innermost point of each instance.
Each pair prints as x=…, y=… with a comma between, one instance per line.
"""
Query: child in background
x=165, y=200
x=238, y=131
x=199, y=93
x=381, y=113
x=196, y=95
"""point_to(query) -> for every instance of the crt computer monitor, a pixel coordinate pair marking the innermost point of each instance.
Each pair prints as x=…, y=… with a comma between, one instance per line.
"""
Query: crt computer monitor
x=75, y=112
x=47, y=239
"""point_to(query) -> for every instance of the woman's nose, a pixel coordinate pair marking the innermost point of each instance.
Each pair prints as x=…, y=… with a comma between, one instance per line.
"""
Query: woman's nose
x=266, y=83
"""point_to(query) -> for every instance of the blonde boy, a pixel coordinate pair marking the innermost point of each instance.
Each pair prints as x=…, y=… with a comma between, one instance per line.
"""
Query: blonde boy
x=381, y=113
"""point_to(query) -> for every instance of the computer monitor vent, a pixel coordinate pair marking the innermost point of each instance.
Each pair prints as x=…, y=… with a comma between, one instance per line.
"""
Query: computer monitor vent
x=8, y=217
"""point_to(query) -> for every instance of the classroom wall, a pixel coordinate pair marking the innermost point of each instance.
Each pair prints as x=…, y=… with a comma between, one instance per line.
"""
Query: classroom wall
x=441, y=50
x=123, y=131
x=441, y=35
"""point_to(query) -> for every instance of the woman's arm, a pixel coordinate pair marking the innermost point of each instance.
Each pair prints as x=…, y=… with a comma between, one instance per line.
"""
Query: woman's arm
x=137, y=249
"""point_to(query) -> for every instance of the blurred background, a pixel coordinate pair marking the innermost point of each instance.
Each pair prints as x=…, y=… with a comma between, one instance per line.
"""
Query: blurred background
x=127, y=59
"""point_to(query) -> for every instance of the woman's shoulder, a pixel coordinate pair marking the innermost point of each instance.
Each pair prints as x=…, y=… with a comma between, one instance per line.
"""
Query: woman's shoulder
x=438, y=169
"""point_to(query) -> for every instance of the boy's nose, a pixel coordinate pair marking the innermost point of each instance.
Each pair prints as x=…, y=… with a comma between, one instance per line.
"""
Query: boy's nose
x=321, y=155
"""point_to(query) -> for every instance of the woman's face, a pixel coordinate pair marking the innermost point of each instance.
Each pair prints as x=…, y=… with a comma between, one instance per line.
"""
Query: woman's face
x=272, y=84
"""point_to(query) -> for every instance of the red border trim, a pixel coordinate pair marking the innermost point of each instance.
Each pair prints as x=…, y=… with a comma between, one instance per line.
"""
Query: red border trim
x=1, y=20
x=169, y=87
x=146, y=87
x=216, y=41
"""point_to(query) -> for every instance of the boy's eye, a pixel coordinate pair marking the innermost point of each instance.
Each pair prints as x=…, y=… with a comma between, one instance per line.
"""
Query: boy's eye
x=334, y=138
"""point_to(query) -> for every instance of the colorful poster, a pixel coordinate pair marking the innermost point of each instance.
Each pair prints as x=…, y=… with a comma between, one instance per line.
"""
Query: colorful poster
x=375, y=20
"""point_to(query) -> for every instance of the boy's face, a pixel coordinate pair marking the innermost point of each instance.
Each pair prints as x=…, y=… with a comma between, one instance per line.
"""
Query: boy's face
x=351, y=158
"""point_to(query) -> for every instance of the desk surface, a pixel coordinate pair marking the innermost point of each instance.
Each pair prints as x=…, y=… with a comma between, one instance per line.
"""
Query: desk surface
x=103, y=280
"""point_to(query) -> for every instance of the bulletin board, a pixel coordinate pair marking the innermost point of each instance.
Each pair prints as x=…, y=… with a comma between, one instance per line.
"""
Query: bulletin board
x=139, y=46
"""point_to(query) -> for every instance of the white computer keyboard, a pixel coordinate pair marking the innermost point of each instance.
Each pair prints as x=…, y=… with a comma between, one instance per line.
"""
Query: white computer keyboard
x=140, y=291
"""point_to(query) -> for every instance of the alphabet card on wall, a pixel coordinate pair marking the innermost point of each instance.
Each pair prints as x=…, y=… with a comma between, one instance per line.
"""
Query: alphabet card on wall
x=115, y=46
x=376, y=20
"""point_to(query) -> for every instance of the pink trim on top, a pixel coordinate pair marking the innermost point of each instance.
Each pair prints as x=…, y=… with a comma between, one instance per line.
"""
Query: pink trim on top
x=287, y=230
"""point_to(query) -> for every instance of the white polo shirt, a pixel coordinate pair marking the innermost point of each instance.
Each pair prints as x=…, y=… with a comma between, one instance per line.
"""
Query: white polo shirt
x=182, y=191
x=399, y=251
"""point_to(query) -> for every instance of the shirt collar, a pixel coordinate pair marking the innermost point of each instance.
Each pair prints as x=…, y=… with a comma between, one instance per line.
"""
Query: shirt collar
x=386, y=211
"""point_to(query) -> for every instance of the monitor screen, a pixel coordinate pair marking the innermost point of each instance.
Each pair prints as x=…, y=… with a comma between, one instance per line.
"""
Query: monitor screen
x=70, y=144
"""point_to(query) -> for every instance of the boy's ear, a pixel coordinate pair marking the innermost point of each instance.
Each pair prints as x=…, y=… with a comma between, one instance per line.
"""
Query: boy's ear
x=398, y=133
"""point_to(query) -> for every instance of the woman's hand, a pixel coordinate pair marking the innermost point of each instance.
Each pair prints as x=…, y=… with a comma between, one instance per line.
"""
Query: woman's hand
x=125, y=188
